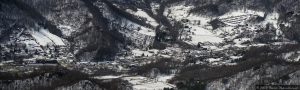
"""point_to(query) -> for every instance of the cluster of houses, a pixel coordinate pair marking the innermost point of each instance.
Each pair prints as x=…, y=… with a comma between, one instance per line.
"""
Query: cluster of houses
x=22, y=48
x=19, y=53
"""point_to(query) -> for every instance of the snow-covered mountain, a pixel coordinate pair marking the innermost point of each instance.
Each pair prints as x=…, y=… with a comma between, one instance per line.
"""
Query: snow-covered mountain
x=148, y=44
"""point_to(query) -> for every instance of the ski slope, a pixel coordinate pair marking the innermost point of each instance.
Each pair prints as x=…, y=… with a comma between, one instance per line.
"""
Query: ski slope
x=44, y=37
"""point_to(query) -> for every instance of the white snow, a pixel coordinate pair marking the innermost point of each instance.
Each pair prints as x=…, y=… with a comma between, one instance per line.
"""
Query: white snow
x=107, y=77
x=143, y=14
x=147, y=31
x=138, y=52
x=155, y=6
x=203, y=35
x=40, y=38
x=198, y=24
x=292, y=56
x=178, y=12
x=57, y=40
x=44, y=37
x=286, y=24
x=165, y=78
x=143, y=83
x=66, y=30
x=272, y=18
x=235, y=57
x=213, y=59
x=152, y=86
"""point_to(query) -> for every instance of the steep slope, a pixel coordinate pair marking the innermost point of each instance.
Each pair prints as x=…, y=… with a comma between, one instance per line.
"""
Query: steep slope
x=200, y=44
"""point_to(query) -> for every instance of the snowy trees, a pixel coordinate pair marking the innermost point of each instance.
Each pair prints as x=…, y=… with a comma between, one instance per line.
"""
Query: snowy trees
x=154, y=73
x=216, y=23
x=291, y=29
x=177, y=30
x=266, y=34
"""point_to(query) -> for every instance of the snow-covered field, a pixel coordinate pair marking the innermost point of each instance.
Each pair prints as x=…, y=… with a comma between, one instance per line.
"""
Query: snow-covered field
x=165, y=78
x=44, y=37
x=143, y=83
x=200, y=34
x=55, y=39
x=143, y=14
x=178, y=12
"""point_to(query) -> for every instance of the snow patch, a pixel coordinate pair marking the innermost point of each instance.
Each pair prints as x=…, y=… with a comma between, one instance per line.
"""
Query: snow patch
x=146, y=31
x=165, y=78
x=203, y=35
x=213, y=59
x=44, y=37
x=66, y=30
x=138, y=52
x=107, y=77
x=272, y=18
x=178, y=12
x=143, y=14
x=143, y=83
x=40, y=38
x=57, y=40
x=292, y=56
